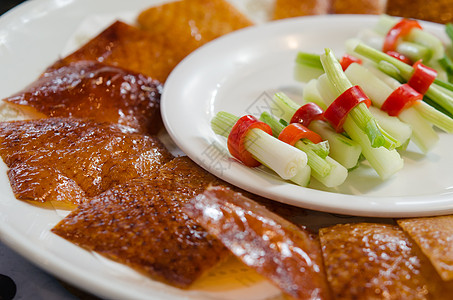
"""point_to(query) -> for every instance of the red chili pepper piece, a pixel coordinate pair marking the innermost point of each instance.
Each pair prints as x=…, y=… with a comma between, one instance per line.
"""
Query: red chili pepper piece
x=237, y=135
x=307, y=113
x=400, y=57
x=401, y=29
x=422, y=77
x=402, y=98
x=337, y=112
x=347, y=60
x=296, y=131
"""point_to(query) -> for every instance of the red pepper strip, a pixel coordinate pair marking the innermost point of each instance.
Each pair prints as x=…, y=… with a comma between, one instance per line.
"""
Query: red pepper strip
x=347, y=60
x=296, y=131
x=337, y=112
x=422, y=77
x=400, y=57
x=401, y=29
x=307, y=113
x=236, y=139
x=402, y=98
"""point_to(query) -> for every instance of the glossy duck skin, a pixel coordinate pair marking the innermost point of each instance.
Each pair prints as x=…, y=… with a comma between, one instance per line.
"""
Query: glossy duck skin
x=66, y=159
x=141, y=224
x=91, y=90
x=126, y=46
x=166, y=34
x=378, y=261
x=190, y=24
x=287, y=255
x=434, y=236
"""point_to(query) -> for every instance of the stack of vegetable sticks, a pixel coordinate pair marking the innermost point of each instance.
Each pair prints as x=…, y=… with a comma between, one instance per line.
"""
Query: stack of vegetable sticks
x=389, y=89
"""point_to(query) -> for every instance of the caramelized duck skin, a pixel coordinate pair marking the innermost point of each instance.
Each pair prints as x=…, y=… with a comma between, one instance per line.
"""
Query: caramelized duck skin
x=143, y=227
x=295, y=8
x=377, y=261
x=88, y=89
x=171, y=32
x=60, y=159
x=284, y=253
x=434, y=236
x=126, y=46
x=192, y=23
x=141, y=224
x=440, y=11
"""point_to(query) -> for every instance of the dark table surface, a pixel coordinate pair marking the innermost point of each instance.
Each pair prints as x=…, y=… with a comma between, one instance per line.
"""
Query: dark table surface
x=20, y=279
x=6, y=5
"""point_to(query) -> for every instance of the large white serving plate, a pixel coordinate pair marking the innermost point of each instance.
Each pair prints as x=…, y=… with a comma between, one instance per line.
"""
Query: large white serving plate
x=32, y=36
x=239, y=73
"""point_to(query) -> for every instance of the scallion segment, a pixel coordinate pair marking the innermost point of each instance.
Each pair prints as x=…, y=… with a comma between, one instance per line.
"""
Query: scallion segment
x=419, y=116
x=315, y=161
x=307, y=67
x=359, y=114
x=325, y=169
x=434, y=93
x=385, y=162
x=342, y=149
x=282, y=158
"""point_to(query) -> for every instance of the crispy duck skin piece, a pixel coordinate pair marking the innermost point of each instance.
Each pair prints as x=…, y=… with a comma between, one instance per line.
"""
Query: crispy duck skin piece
x=287, y=255
x=440, y=11
x=295, y=8
x=67, y=159
x=434, y=236
x=377, y=261
x=369, y=7
x=183, y=176
x=89, y=89
x=170, y=32
x=126, y=46
x=141, y=224
x=189, y=24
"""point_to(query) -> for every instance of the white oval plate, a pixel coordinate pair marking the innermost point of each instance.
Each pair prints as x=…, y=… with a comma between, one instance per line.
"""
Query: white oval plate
x=239, y=72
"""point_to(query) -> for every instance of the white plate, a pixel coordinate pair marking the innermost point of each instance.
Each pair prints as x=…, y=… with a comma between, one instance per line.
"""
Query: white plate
x=238, y=73
x=32, y=36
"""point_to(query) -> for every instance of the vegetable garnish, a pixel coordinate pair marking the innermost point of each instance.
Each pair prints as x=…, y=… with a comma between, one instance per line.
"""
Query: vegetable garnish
x=435, y=93
x=348, y=59
x=236, y=139
x=307, y=113
x=325, y=169
x=359, y=113
x=422, y=77
x=417, y=118
x=341, y=148
x=337, y=112
x=402, y=98
x=295, y=132
x=401, y=29
x=287, y=161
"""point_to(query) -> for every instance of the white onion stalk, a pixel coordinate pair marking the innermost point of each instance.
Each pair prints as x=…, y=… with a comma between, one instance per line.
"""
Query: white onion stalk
x=280, y=157
x=275, y=154
x=342, y=149
x=385, y=162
